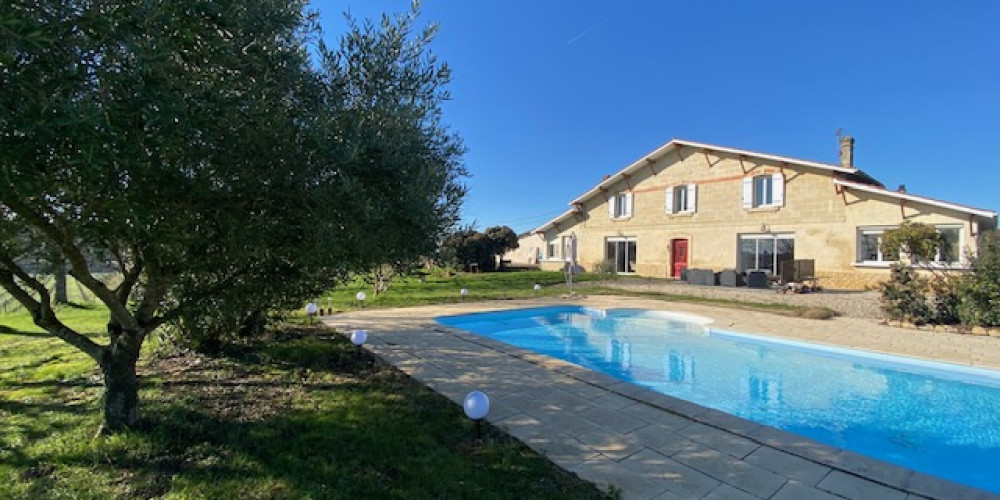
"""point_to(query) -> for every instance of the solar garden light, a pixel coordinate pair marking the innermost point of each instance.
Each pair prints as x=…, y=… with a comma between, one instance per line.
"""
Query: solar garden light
x=361, y=298
x=464, y=292
x=311, y=310
x=359, y=337
x=538, y=288
x=476, y=406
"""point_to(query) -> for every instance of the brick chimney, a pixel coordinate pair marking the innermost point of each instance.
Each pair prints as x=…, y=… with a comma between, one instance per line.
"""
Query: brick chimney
x=847, y=151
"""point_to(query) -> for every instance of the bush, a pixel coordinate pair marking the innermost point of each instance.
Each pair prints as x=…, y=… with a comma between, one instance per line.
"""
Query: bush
x=945, y=298
x=904, y=296
x=979, y=292
x=606, y=267
x=817, y=313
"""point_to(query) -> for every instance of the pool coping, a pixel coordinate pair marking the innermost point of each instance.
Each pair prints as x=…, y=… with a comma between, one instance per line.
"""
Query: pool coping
x=909, y=483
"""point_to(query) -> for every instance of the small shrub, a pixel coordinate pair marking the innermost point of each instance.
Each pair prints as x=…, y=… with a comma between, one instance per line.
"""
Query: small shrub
x=979, y=292
x=817, y=313
x=945, y=298
x=606, y=267
x=904, y=296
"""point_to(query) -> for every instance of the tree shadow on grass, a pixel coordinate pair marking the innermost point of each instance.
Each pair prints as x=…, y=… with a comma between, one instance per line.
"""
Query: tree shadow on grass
x=331, y=422
x=13, y=331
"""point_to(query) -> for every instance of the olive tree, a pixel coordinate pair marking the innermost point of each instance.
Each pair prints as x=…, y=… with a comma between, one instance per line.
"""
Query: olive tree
x=222, y=158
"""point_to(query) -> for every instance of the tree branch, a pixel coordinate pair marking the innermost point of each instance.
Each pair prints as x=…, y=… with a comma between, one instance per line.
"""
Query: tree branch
x=78, y=263
x=131, y=277
x=41, y=310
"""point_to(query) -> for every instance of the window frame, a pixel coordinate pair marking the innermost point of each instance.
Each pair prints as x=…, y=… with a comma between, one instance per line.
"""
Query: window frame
x=959, y=263
x=551, y=244
x=620, y=206
x=766, y=191
x=773, y=237
x=626, y=240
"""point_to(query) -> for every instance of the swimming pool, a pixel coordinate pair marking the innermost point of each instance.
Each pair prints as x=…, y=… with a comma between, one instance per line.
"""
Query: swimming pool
x=932, y=417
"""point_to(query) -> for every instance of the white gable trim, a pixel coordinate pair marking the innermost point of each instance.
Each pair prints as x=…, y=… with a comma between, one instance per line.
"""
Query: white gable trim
x=912, y=197
x=675, y=144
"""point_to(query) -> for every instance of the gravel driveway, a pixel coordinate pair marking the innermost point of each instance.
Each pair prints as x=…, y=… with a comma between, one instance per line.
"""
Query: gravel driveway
x=846, y=302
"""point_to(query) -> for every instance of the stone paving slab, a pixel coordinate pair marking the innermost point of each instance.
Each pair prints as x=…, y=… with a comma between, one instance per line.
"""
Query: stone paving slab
x=648, y=445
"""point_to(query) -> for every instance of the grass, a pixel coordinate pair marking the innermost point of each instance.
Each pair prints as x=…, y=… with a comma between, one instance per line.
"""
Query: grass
x=438, y=289
x=302, y=415
x=518, y=285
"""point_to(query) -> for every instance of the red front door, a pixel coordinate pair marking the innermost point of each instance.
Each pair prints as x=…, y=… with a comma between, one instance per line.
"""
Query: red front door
x=679, y=257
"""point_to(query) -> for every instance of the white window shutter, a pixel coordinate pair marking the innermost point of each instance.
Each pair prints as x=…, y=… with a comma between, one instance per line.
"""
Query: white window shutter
x=778, y=189
x=670, y=200
x=748, y=192
x=628, y=205
x=611, y=207
x=692, y=192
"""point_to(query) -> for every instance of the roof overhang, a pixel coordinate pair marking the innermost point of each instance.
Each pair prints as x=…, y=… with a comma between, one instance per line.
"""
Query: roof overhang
x=918, y=199
x=676, y=144
x=552, y=223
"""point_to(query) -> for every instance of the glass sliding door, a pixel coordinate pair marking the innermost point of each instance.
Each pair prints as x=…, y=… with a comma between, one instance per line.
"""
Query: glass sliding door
x=621, y=251
x=765, y=252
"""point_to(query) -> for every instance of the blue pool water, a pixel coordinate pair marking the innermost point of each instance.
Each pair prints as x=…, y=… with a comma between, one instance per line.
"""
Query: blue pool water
x=936, y=418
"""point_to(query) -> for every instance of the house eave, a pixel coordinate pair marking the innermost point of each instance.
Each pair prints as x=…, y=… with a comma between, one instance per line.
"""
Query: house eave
x=989, y=214
x=674, y=144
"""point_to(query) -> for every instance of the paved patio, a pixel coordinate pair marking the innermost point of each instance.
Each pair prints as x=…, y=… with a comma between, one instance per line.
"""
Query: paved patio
x=650, y=445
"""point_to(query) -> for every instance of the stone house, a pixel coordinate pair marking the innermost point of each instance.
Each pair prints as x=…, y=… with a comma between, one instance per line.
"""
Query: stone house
x=529, y=251
x=695, y=205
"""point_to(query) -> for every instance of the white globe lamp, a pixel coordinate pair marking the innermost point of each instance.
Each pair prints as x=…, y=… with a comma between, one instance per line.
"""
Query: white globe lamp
x=359, y=337
x=476, y=406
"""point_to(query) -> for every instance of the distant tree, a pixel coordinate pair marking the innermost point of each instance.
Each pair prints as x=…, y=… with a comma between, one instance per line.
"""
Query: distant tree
x=225, y=174
x=466, y=246
x=502, y=240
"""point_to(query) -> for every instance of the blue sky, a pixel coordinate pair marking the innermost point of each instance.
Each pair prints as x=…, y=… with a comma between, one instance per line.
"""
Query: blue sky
x=549, y=96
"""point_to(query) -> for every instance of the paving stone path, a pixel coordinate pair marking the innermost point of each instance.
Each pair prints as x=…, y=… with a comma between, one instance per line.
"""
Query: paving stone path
x=649, y=445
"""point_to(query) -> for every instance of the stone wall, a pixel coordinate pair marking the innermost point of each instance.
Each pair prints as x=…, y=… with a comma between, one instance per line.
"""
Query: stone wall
x=823, y=218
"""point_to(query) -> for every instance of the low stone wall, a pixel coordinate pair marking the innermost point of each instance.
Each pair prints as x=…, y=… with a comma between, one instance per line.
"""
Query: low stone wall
x=851, y=280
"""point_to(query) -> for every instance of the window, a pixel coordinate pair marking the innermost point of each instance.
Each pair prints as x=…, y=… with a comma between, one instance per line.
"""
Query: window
x=870, y=246
x=681, y=199
x=620, y=206
x=621, y=251
x=564, y=244
x=762, y=191
x=950, y=252
x=870, y=242
x=552, y=249
x=765, y=252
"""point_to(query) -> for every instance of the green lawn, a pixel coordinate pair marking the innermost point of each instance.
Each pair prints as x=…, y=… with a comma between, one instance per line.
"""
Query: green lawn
x=493, y=286
x=438, y=289
x=303, y=415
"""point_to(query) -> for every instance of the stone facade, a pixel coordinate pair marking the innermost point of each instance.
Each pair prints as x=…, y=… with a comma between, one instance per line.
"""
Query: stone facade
x=822, y=217
x=530, y=248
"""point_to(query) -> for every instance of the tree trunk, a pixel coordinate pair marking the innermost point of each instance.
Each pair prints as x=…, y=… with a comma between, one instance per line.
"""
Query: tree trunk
x=60, y=295
x=121, y=386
